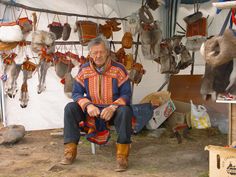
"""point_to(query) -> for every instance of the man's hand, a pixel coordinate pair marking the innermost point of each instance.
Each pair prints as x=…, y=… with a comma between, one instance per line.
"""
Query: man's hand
x=93, y=111
x=108, y=112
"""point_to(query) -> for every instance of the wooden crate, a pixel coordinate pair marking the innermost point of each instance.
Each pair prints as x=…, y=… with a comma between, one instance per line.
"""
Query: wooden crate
x=232, y=123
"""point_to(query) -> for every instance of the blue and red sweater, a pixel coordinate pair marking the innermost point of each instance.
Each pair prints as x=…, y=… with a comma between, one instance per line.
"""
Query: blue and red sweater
x=112, y=86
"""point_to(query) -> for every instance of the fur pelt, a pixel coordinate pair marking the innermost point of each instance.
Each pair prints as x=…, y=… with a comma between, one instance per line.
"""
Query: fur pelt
x=66, y=31
x=185, y=58
x=195, y=43
x=151, y=37
x=145, y=15
x=222, y=74
x=41, y=39
x=11, y=33
x=127, y=40
x=156, y=98
x=106, y=30
x=68, y=86
x=132, y=24
x=193, y=17
x=207, y=83
x=56, y=28
x=154, y=4
x=232, y=79
x=219, y=79
x=220, y=49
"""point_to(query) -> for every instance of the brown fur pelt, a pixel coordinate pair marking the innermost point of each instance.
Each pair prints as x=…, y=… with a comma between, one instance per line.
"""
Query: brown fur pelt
x=145, y=15
x=114, y=24
x=66, y=31
x=136, y=73
x=106, y=30
x=153, y=4
x=220, y=49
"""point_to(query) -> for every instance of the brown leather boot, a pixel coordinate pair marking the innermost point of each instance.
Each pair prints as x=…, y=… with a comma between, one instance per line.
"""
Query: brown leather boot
x=122, y=153
x=70, y=153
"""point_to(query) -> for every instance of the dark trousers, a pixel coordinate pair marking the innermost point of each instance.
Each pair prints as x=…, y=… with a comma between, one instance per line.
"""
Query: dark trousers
x=73, y=114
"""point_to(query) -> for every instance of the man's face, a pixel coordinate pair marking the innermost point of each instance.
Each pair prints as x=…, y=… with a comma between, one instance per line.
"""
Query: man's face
x=99, y=54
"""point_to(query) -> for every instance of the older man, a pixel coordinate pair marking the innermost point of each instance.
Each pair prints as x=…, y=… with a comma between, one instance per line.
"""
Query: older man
x=102, y=90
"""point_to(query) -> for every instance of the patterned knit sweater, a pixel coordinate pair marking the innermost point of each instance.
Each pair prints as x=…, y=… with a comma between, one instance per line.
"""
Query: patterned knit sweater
x=112, y=86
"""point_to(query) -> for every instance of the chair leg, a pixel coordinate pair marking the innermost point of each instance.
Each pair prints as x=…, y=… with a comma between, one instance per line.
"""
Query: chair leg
x=93, y=147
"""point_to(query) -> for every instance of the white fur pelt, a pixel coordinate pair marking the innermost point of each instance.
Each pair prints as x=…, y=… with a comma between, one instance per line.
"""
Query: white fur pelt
x=11, y=33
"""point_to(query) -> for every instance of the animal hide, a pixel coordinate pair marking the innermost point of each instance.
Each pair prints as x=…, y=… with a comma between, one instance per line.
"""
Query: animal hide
x=56, y=28
x=207, y=83
x=66, y=31
x=194, y=43
x=114, y=24
x=185, y=58
x=132, y=24
x=151, y=36
x=136, y=73
x=220, y=49
x=221, y=76
x=41, y=39
x=11, y=33
x=168, y=64
x=25, y=24
x=145, y=15
x=232, y=79
x=193, y=17
x=153, y=4
x=68, y=86
x=127, y=40
x=105, y=30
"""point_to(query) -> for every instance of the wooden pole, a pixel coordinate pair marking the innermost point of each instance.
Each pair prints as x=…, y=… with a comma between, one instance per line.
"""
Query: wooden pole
x=192, y=67
x=135, y=59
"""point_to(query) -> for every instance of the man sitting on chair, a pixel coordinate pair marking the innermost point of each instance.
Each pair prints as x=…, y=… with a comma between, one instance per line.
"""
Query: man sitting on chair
x=102, y=90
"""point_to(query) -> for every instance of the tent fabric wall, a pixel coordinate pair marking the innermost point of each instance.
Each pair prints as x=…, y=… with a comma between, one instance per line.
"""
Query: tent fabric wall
x=45, y=110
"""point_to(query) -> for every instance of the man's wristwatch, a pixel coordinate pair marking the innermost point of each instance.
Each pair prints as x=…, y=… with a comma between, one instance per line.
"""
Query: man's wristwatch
x=113, y=106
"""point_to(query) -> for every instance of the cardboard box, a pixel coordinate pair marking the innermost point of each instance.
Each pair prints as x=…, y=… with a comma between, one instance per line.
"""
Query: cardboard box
x=160, y=114
x=222, y=161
